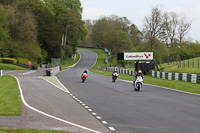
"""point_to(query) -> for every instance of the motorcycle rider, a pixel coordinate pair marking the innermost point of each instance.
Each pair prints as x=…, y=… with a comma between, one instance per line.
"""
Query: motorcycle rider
x=114, y=73
x=84, y=74
x=139, y=73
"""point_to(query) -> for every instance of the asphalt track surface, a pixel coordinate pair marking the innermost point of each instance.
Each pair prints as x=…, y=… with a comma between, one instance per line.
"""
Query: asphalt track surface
x=51, y=103
x=152, y=110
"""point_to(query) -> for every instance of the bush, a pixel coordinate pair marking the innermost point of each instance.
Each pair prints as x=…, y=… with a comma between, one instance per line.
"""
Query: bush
x=25, y=61
x=9, y=60
x=0, y=60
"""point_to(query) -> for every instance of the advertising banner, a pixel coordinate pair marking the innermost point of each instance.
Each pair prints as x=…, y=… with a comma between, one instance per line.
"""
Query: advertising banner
x=138, y=56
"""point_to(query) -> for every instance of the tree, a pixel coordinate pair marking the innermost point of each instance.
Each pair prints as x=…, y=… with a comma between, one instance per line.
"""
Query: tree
x=171, y=22
x=136, y=35
x=98, y=30
x=23, y=30
x=4, y=34
x=183, y=28
x=116, y=41
x=153, y=25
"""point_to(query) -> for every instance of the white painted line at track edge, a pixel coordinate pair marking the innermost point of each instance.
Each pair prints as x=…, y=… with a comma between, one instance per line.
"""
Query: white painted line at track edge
x=62, y=84
x=53, y=84
x=51, y=116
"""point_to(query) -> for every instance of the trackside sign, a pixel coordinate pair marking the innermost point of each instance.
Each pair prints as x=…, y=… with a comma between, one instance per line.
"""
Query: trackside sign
x=138, y=56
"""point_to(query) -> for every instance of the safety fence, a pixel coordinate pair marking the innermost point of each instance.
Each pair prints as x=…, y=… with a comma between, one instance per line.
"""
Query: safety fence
x=193, y=78
x=122, y=71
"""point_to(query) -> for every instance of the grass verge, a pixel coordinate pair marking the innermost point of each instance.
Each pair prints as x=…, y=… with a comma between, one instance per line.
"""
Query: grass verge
x=29, y=131
x=54, y=81
x=69, y=62
x=4, y=66
x=10, y=102
x=175, y=69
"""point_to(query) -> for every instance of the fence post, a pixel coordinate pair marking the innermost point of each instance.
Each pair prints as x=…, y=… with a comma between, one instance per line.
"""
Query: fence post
x=193, y=63
x=1, y=73
x=188, y=63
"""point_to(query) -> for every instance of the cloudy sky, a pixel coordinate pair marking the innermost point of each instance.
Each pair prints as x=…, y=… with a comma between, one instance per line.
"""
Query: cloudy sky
x=135, y=10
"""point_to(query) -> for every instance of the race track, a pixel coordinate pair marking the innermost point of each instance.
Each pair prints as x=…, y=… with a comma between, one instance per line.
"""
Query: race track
x=152, y=110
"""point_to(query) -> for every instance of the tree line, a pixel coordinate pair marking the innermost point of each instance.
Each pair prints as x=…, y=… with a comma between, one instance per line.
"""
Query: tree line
x=40, y=29
x=164, y=33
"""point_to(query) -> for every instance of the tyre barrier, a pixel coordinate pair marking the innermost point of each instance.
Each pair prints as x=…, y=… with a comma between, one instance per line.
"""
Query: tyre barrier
x=193, y=78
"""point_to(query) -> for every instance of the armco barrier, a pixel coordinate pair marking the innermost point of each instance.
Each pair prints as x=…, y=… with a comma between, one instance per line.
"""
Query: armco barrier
x=193, y=78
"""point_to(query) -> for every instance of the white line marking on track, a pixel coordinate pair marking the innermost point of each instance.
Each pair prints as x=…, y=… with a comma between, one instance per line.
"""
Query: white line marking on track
x=86, y=107
x=94, y=113
x=90, y=110
x=51, y=116
x=26, y=73
x=83, y=104
x=53, y=84
x=111, y=128
x=104, y=122
x=98, y=117
x=8, y=72
x=62, y=85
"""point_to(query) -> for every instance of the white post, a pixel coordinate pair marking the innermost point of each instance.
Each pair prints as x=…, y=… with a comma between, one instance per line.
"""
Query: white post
x=1, y=73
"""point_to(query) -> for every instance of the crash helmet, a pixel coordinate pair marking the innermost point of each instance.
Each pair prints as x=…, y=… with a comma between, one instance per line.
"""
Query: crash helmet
x=85, y=71
x=140, y=72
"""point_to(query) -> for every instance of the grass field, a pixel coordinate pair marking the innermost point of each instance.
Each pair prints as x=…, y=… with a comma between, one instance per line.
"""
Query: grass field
x=10, y=102
x=29, y=131
x=4, y=66
x=194, y=66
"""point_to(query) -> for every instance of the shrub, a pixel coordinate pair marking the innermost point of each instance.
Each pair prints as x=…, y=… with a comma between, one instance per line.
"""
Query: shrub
x=25, y=61
x=9, y=60
x=0, y=60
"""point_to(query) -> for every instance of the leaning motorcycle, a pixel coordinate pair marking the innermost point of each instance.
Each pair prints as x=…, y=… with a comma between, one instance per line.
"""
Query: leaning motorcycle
x=138, y=83
x=114, y=76
x=84, y=77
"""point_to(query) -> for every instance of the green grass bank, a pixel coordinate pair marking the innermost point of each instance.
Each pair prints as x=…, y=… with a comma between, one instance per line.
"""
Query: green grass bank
x=9, y=97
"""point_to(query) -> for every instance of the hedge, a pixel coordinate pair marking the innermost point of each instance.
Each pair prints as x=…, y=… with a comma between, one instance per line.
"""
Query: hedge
x=0, y=60
x=25, y=61
x=9, y=60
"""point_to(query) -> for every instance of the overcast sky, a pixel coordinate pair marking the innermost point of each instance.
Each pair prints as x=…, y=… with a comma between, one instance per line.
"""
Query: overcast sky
x=135, y=10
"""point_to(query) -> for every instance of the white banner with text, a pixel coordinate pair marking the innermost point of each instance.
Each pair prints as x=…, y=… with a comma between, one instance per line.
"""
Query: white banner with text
x=138, y=56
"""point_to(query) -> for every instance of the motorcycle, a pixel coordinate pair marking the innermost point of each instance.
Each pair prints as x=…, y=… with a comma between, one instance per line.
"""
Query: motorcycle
x=138, y=83
x=84, y=77
x=114, y=76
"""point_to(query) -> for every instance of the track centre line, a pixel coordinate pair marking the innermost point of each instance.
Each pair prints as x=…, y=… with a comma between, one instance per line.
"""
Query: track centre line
x=51, y=116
